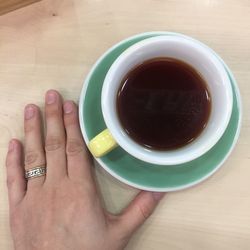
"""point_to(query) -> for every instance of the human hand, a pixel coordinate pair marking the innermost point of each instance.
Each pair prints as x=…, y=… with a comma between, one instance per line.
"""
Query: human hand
x=62, y=210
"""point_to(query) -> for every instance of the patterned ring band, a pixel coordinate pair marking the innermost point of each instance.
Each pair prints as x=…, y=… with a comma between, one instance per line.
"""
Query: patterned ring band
x=35, y=172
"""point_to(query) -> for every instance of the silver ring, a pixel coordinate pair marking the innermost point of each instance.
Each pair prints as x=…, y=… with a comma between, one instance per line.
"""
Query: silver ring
x=35, y=172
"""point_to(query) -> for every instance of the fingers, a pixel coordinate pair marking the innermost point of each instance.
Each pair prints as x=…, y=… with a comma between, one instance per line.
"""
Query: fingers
x=15, y=173
x=77, y=155
x=55, y=137
x=34, y=150
x=139, y=210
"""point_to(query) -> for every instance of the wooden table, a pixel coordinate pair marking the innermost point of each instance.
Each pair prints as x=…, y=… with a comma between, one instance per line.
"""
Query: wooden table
x=53, y=44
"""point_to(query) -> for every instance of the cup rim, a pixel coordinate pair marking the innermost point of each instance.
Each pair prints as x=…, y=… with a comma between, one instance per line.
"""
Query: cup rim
x=138, y=151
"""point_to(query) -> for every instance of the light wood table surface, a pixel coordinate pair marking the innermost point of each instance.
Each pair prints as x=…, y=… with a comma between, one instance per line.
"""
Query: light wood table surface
x=53, y=44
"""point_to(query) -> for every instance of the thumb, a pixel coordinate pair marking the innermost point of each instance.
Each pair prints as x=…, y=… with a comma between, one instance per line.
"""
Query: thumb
x=139, y=210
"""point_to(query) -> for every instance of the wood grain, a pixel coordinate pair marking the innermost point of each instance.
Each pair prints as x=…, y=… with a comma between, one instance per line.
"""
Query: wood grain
x=54, y=43
x=9, y=5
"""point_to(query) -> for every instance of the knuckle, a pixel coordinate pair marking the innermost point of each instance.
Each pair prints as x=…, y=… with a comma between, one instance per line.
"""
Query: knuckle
x=53, y=143
x=145, y=211
x=28, y=127
x=10, y=181
x=74, y=146
x=51, y=197
x=53, y=111
x=31, y=157
x=71, y=120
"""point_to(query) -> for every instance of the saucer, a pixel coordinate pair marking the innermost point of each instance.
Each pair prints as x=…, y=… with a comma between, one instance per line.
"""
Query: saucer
x=137, y=173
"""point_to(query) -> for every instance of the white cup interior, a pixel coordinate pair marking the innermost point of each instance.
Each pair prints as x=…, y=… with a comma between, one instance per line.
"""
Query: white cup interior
x=191, y=52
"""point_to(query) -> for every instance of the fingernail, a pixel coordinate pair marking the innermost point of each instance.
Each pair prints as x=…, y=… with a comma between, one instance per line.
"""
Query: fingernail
x=29, y=112
x=68, y=107
x=11, y=145
x=158, y=195
x=50, y=98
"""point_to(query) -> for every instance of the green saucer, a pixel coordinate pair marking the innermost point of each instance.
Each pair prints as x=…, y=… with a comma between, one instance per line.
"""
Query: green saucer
x=137, y=173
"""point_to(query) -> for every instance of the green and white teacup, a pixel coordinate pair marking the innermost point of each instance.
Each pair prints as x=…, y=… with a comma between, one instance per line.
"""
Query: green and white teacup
x=182, y=48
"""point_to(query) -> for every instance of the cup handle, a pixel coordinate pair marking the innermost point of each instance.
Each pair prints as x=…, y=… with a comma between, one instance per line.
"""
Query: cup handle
x=102, y=144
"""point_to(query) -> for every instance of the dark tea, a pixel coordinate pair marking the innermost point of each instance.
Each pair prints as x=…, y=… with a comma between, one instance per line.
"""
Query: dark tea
x=163, y=104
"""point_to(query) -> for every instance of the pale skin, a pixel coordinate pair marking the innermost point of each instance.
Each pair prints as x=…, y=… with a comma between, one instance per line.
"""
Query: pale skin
x=62, y=210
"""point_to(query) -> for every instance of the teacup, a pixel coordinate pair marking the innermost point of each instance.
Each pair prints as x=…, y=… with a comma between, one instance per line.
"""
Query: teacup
x=193, y=53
